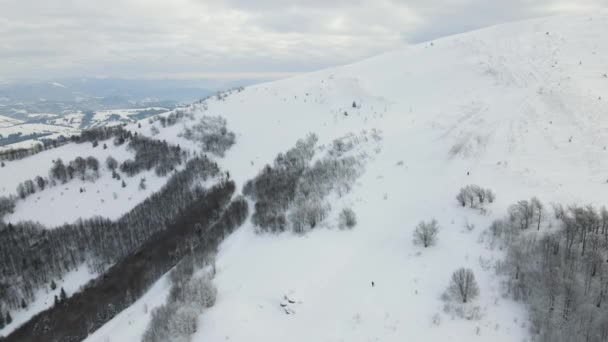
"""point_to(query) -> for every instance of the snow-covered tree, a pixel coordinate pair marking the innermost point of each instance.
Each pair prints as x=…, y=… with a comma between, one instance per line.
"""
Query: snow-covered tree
x=463, y=285
x=347, y=218
x=426, y=233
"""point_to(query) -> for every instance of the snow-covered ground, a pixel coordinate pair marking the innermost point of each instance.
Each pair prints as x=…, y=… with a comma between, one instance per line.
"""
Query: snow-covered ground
x=5, y=121
x=519, y=108
x=70, y=119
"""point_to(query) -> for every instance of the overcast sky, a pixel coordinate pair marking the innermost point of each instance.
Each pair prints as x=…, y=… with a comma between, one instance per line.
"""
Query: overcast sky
x=232, y=38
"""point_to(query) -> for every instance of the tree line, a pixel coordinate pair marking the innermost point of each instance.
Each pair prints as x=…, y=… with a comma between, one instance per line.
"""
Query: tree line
x=31, y=255
x=89, y=135
x=102, y=299
x=190, y=295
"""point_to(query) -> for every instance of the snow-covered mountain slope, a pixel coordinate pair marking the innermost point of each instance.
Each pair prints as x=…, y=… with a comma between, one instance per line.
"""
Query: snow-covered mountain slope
x=519, y=108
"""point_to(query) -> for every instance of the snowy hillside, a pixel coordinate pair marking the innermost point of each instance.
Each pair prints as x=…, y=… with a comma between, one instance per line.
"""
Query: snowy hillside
x=5, y=121
x=517, y=108
x=16, y=134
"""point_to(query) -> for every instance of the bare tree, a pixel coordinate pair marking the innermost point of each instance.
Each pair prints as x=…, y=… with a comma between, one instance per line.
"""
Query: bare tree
x=537, y=211
x=111, y=163
x=490, y=195
x=347, y=218
x=426, y=233
x=463, y=285
x=475, y=196
x=521, y=214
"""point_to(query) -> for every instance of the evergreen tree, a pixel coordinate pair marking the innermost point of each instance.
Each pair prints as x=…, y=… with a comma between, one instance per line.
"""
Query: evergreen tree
x=124, y=185
x=142, y=184
x=53, y=285
x=1, y=320
x=1, y=164
x=62, y=295
x=95, y=143
x=23, y=304
x=105, y=147
x=9, y=319
x=56, y=300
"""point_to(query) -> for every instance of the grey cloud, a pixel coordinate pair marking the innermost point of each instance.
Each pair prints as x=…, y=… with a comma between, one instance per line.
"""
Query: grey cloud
x=134, y=38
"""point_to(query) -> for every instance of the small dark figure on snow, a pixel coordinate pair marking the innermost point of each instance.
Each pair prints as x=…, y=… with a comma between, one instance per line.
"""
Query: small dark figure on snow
x=468, y=173
x=373, y=284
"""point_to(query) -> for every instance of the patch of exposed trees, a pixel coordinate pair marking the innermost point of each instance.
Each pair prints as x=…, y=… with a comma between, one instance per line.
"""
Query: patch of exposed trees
x=291, y=194
x=81, y=168
x=171, y=119
x=475, y=196
x=212, y=134
x=152, y=154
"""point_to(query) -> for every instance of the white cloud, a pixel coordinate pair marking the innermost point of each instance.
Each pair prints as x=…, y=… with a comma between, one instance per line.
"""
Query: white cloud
x=142, y=38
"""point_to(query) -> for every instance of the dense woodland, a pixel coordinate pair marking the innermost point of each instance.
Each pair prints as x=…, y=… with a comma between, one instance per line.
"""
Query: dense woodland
x=557, y=265
x=212, y=134
x=190, y=295
x=31, y=255
x=76, y=317
x=152, y=154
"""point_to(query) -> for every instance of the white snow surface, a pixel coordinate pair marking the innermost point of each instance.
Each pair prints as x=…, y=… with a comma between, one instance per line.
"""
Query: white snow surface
x=521, y=107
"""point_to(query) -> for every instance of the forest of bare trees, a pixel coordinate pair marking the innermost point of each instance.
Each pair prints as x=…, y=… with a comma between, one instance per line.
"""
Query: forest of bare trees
x=556, y=265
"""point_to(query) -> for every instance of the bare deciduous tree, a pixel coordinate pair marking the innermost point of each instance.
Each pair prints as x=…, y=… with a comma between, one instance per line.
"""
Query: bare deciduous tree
x=426, y=233
x=347, y=218
x=463, y=285
x=475, y=196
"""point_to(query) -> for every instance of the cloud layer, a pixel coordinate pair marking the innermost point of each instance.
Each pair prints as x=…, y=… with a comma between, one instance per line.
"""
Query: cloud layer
x=231, y=38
